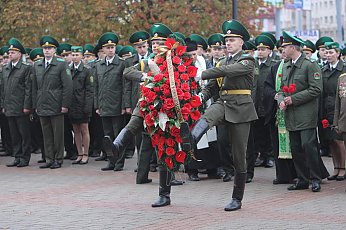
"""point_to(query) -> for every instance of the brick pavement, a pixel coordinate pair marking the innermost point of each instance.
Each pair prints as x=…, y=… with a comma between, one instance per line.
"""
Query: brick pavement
x=76, y=197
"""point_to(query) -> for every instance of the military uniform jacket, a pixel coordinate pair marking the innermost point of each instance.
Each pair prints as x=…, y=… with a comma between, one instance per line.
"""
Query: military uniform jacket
x=330, y=80
x=52, y=87
x=82, y=97
x=238, y=74
x=264, y=71
x=132, y=61
x=112, y=92
x=340, y=104
x=16, y=88
x=306, y=74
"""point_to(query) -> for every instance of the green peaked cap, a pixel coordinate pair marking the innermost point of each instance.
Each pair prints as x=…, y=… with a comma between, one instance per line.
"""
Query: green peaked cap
x=320, y=42
x=159, y=31
x=139, y=37
x=288, y=39
x=264, y=41
x=36, y=54
x=332, y=45
x=201, y=42
x=48, y=41
x=27, y=50
x=14, y=44
x=216, y=40
x=77, y=49
x=270, y=35
x=233, y=28
x=309, y=45
x=88, y=49
x=64, y=48
x=4, y=50
x=127, y=50
x=108, y=39
x=249, y=45
x=118, y=48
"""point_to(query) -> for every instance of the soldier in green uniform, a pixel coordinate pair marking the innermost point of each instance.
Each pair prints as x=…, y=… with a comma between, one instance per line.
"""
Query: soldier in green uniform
x=16, y=102
x=330, y=76
x=262, y=134
x=81, y=105
x=235, y=106
x=322, y=61
x=52, y=92
x=249, y=47
x=127, y=52
x=300, y=103
x=5, y=130
x=309, y=48
x=111, y=91
x=88, y=55
x=273, y=55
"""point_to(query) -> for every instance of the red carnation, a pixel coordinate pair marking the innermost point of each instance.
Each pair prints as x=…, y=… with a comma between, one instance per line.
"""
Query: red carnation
x=184, y=77
x=169, y=162
x=159, y=154
x=195, y=115
x=148, y=120
x=195, y=101
x=285, y=89
x=151, y=97
x=160, y=60
x=157, y=77
x=187, y=96
x=180, y=94
x=193, y=85
x=185, y=87
x=180, y=50
x=162, y=68
x=181, y=68
x=143, y=103
x=170, y=43
x=192, y=71
x=154, y=113
x=156, y=89
x=325, y=123
x=185, y=110
x=174, y=131
x=169, y=103
x=180, y=157
x=170, y=142
x=170, y=114
x=187, y=61
x=176, y=60
x=292, y=88
x=178, y=139
x=155, y=139
x=170, y=151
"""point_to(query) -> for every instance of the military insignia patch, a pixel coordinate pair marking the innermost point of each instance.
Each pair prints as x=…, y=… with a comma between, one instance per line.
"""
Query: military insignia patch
x=91, y=79
x=244, y=62
x=317, y=76
x=68, y=71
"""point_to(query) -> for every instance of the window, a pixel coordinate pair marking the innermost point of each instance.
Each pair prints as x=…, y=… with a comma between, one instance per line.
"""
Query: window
x=326, y=19
x=331, y=19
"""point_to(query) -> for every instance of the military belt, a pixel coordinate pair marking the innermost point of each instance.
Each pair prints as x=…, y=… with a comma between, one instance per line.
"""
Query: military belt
x=236, y=91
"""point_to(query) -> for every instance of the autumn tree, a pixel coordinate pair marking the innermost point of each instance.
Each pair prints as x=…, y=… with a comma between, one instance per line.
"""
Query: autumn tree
x=83, y=21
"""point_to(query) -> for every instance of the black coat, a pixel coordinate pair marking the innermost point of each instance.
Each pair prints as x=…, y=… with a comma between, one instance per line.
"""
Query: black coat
x=82, y=96
x=270, y=105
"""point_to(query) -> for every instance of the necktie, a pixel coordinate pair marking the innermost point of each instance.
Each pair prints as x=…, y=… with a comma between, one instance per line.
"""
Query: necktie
x=142, y=58
x=228, y=59
x=47, y=64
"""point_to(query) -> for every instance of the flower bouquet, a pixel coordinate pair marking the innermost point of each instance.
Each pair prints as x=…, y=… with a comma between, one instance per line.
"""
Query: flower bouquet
x=169, y=98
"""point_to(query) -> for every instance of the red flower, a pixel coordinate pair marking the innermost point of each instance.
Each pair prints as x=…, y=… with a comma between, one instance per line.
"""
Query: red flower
x=185, y=110
x=178, y=139
x=195, y=101
x=180, y=50
x=279, y=75
x=157, y=77
x=148, y=120
x=180, y=157
x=159, y=154
x=169, y=103
x=185, y=87
x=325, y=123
x=170, y=142
x=170, y=114
x=195, y=115
x=292, y=88
x=193, y=85
x=156, y=89
x=192, y=71
x=174, y=131
x=285, y=89
x=187, y=96
x=181, y=68
x=154, y=113
x=180, y=94
x=176, y=60
x=184, y=77
x=160, y=60
x=170, y=43
x=187, y=61
x=155, y=139
x=169, y=162
x=170, y=151
x=162, y=68
x=143, y=103
x=151, y=97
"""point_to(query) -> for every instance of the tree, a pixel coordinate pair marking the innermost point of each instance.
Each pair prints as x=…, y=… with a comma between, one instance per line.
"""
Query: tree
x=83, y=21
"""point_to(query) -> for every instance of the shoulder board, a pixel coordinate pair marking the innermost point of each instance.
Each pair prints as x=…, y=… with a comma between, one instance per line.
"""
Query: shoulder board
x=98, y=60
x=87, y=67
x=343, y=75
x=25, y=63
x=222, y=58
x=120, y=58
x=245, y=55
x=39, y=60
x=60, y=59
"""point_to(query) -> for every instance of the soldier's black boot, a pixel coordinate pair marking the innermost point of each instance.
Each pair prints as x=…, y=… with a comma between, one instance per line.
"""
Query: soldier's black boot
x=117, y=147
x=238, y=192
x=164, y=189
x=191, y=138
x=110, y=164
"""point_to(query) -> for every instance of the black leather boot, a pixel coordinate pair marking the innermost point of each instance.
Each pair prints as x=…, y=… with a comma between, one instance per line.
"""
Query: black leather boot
x=191, y=138
x=238, y=192
x=117, y=147
x=110, y=165
x=164, y=189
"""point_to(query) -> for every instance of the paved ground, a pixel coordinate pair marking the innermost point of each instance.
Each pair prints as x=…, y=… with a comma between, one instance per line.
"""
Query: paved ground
x=76, y=197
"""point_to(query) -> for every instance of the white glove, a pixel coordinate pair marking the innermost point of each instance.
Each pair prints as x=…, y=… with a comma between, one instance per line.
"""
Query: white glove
x=153, y=67
x=144, y=76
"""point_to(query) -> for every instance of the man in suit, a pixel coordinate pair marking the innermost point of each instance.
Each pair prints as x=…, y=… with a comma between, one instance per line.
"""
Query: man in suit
x=235, y=106
x=52, y=94
x=16, y=102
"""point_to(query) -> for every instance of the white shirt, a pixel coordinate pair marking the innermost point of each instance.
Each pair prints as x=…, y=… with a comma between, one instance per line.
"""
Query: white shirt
x=260, y=62
x=294, y=61
x=143, y=57
x=14, y=64
x=47, y=62
x=76, y=66
x=333, y=66
x=108, y=61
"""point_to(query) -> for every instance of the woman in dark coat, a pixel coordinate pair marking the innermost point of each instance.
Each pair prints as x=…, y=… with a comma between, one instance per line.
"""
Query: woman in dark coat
x=81, y=106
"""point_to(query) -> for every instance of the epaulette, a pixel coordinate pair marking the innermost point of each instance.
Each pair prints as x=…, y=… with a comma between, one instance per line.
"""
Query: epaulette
x=60, y=59
x=87, y=67
x=120, y=58
x=245, y=55
x=222, y=58
x=25, y=63
x=343, y=75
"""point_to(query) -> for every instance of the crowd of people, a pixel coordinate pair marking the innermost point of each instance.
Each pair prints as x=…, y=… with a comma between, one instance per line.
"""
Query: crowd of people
x=265, y=101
